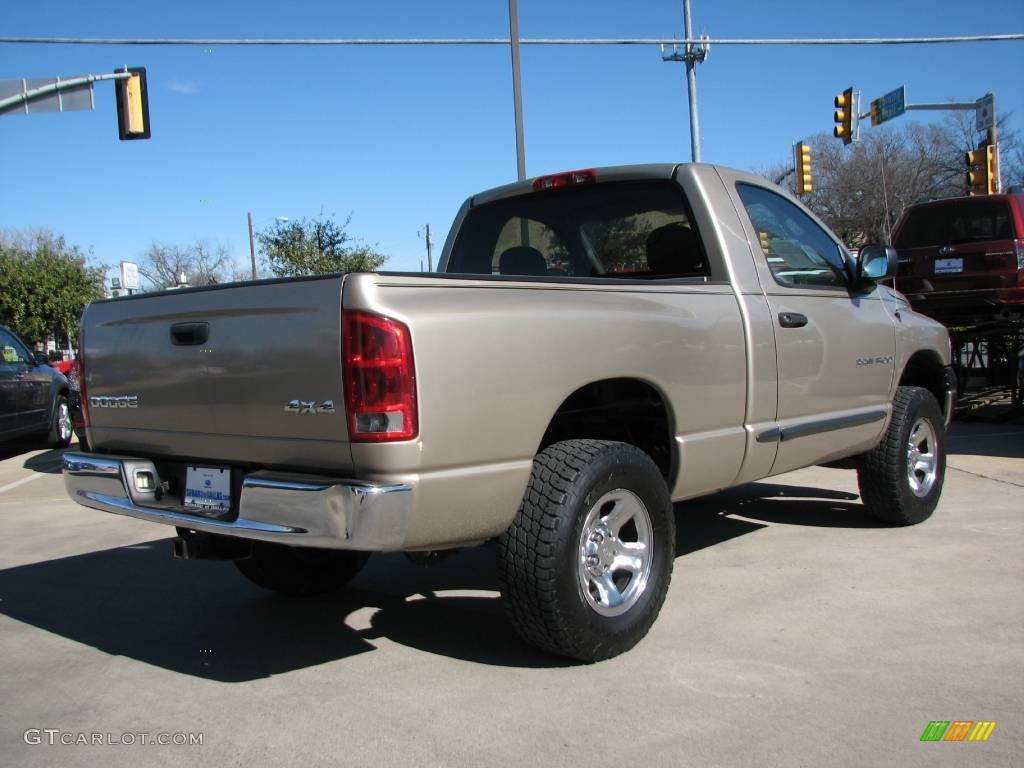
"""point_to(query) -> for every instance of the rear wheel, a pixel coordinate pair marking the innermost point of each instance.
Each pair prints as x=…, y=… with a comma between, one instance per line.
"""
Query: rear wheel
x=61, y=429
x=901, y=479
x=300, y=571
x=586, y=564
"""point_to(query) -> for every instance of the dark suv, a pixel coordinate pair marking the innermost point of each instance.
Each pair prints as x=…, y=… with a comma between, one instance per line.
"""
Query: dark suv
x=33, y=396
x=962, y=260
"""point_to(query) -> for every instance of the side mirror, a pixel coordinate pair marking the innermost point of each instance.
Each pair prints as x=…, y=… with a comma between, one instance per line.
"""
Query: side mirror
x=875, y=262
x=40, y=358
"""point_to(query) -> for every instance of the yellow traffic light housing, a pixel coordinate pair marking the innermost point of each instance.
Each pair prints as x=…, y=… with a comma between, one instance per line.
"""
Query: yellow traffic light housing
x=802, y=168
x=982, y=171
x=132, y=105
x=843, y=117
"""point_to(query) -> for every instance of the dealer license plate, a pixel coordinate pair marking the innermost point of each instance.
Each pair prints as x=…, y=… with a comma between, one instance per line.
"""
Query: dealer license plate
x=208, y=488
x=948, y=266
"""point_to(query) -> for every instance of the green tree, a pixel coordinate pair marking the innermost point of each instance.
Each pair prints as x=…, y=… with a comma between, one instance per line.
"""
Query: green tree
x=316, y=247
x=46, y=284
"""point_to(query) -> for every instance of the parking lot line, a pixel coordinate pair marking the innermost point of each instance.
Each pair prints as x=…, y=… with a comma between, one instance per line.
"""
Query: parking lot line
x=23, y=480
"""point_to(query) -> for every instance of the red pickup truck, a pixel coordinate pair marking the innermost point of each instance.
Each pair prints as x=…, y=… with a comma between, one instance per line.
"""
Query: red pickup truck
x=962, y=260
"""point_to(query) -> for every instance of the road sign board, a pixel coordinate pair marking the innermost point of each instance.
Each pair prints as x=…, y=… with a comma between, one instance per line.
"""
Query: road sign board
x=984, y=112
x=130, y=275
x=893, y=104
x=77, y=97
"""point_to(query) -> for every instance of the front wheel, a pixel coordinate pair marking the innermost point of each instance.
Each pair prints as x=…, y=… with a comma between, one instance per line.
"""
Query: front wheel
x=61, y=430
x=586, y=564
x=901, y=479
x=300, y=571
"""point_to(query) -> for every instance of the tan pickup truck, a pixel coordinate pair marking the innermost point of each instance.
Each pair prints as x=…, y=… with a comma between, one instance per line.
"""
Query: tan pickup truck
x=599, y=344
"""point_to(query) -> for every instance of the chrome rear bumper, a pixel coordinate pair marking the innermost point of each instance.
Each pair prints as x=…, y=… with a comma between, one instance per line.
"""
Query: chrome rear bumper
x=299, y=510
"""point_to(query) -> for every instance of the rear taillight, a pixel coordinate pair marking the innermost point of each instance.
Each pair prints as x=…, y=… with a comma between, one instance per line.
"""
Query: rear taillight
x=380, y=378
x=1018, y=247
x=83, y=390
x=568, y=179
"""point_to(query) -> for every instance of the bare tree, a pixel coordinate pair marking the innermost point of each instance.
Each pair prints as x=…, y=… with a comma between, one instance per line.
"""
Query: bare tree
x=202, y=263
x=862, y=190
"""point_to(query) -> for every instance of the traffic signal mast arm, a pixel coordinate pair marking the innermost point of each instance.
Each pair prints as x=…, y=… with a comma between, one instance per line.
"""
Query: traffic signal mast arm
x=75, y=82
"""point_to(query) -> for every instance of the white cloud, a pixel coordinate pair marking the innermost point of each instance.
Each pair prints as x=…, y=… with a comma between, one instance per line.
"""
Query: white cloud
x=182, y=87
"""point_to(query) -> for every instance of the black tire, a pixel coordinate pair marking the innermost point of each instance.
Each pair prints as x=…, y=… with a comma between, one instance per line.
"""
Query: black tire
x=300, y=571
x=884, y=474
x=61, y=429
x=542, y=560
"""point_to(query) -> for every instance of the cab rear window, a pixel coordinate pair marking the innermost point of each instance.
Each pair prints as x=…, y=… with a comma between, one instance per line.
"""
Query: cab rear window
x=613, y=230
x=959, y=222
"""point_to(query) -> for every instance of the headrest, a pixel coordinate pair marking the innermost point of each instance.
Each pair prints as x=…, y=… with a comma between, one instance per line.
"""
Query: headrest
x=522, y=260
x=674, y=249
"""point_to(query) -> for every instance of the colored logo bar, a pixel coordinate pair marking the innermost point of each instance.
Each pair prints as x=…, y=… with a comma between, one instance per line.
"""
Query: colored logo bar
x=958, y=730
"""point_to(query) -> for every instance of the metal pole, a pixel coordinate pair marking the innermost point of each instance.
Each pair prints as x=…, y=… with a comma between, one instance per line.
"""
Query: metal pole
x=517, y=88
x=252, y=247
x=885, y=200
x=691, y=85
x=993, y=140
x=63, y=85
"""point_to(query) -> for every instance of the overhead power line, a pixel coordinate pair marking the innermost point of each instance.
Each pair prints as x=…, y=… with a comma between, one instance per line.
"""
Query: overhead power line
x=506, y=41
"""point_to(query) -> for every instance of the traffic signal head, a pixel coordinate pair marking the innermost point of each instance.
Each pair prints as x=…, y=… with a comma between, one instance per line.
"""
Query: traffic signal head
x=132, y=105
x=982, y=171
x=844, y=116
x=802, y=168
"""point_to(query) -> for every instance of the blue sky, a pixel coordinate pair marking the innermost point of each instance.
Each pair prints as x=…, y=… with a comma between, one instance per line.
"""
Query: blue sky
x=399, y=136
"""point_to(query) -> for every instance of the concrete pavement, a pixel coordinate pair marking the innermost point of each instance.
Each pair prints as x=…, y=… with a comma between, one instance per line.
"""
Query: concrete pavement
x=796, y=632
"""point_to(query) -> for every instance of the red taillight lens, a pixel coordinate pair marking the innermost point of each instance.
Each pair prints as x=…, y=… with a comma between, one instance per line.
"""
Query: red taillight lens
x=380, y=378
x=568, y=179
x=80, y=365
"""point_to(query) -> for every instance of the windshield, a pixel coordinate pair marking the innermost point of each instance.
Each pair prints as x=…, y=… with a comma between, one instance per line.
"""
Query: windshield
x=617, y=230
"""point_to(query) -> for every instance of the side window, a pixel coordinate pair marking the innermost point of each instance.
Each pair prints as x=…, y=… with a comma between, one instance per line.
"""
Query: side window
x=11, y=350
x=529, y=247
x=799, y=252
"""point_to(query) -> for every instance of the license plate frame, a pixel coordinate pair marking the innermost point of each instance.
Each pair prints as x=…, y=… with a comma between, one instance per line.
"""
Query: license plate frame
x=949, y=266
x=207, y=488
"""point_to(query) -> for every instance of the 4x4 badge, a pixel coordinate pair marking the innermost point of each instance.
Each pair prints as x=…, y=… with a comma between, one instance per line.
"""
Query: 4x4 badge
x=309, y=406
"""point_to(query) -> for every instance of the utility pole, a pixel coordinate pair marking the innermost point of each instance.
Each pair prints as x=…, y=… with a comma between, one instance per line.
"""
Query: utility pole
x=430, y=247
x=691, y=85
x=252, y=247
x=517, y=88
x=430, y=251
x=692, y=55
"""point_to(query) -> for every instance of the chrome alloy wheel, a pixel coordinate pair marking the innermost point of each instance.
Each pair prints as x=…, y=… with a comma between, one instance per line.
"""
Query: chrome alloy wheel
x=615, y=553
x=922, y=458
x=64, y=426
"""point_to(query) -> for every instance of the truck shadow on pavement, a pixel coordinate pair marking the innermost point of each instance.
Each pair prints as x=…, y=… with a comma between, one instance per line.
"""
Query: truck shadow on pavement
x=980, y=439
x=49, y=461
x=203, y=619
x=717, y=517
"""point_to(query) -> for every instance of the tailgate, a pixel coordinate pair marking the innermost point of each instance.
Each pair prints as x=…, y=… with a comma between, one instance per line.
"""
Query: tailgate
x=979, y=266
x=213, y=372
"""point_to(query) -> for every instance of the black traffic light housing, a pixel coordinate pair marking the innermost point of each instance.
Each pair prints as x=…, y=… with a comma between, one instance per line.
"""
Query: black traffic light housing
x=132, y=105
x=982, y=170
x=843, y=116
